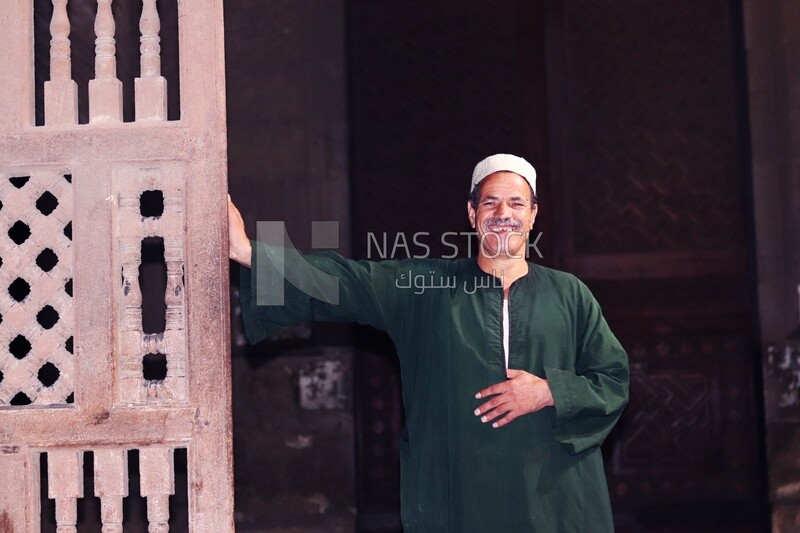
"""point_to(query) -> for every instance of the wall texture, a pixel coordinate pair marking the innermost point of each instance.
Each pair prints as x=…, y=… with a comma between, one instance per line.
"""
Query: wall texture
x=772, y=35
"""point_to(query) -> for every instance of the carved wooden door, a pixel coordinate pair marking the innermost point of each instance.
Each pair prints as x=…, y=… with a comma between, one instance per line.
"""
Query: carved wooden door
x=82, y=371
x=648, y=174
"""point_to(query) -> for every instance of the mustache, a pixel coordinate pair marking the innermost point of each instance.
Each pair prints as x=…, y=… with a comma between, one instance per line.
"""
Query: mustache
x=507, y=221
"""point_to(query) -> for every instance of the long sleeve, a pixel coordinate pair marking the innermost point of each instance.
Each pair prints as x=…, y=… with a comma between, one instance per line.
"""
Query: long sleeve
x=284, y=287
x=590, y=400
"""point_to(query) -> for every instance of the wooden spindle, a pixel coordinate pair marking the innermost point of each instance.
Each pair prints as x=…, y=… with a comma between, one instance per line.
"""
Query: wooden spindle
x=60, y=92
x=65, y=486
x=158, y=514
x=105, y=91
x=111, y=486
x=131, y=292
x=157, y=477
x=66, y=515
x=150, y=26
x=131, y=298
x=173, y=296
x=60, y=55
x=151, y=87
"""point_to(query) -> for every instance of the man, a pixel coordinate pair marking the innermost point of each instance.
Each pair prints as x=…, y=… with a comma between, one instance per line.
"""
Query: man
x=511, y=377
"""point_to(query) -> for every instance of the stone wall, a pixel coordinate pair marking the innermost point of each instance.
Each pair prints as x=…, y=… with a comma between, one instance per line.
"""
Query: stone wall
x=772, y=35
x=772, y=39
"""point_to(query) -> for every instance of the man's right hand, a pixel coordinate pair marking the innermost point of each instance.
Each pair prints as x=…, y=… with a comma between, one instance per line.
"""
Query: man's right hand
x=239, y=248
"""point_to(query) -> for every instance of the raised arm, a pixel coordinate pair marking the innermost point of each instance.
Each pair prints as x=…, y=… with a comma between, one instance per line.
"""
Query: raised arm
x=293, y=288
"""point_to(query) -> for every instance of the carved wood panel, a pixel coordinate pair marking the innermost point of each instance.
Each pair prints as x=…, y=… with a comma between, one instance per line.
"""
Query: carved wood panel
x=142, y=224
x=652, y=126
x=687, y=434
x=87, y=367
x=36, y=321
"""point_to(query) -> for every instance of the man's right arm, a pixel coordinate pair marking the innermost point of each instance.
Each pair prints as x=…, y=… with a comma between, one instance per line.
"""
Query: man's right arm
x=279, y=286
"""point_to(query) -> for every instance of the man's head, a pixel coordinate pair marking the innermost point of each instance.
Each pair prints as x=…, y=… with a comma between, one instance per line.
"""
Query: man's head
x=497, y=162
x=502, y=206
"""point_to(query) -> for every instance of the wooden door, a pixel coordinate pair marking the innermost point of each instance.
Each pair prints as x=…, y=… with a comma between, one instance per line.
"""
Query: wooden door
x=647, y=136
x=93, y=359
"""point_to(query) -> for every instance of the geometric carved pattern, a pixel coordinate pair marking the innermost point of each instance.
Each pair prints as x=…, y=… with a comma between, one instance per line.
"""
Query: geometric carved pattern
x=36, y=319
x=687, y=433
x=654, y=151
x=136, y=226
x=686, y=398
x=651, y=161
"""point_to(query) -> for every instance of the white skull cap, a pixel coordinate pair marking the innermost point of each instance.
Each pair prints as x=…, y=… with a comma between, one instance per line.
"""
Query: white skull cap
x=503, y=162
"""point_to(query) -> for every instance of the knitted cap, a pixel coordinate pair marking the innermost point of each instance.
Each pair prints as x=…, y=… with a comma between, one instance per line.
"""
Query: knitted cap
x=503, y=162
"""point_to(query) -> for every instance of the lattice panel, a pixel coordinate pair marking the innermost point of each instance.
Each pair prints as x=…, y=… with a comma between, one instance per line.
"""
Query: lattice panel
x=151, y=206
x=36, y=324
x=653, y=136
x=686, y=434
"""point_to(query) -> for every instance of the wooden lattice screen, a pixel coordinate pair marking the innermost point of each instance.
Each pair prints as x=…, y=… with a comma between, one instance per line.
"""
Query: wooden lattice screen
x=80, y=204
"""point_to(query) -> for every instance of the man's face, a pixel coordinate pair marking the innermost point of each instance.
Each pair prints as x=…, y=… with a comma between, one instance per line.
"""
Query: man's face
x=504, y=215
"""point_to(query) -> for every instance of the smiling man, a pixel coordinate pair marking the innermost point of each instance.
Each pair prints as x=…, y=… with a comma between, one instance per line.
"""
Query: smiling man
x=511, y=376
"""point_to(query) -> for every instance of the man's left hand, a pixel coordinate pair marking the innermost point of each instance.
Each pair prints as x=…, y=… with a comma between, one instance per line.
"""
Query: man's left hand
x=520, y=394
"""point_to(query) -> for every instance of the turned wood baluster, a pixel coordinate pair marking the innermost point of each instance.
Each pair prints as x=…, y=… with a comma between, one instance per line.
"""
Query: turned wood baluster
x=151, y=87
x=157, y=476
x=65, y=486
x=173, y=256
x=111, y=485
x=105, y=91
x=60, y=92
x=130, y=250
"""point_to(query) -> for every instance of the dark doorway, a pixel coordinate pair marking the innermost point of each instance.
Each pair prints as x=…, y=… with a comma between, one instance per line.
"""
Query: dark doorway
x=633, y=117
